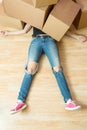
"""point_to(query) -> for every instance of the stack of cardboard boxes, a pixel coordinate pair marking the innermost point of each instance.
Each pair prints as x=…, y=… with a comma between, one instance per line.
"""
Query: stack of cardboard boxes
x=54, y=17
x=26, y=12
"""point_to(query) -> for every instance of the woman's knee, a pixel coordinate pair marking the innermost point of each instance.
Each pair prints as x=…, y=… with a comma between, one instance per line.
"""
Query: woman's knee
x=32, y=67
x=57, y=68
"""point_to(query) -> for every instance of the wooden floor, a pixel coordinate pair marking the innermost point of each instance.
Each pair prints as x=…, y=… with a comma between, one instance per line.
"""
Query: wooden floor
x=46, y=106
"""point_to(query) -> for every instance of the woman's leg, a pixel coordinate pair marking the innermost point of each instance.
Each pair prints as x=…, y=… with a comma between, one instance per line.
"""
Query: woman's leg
x=52, y=53
x=30, y=70
x=70, y=104
x=34, y=54
x=60, y=78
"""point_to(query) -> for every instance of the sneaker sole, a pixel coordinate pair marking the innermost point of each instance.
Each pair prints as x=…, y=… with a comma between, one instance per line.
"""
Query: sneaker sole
x=71, y=109
x=13, y=112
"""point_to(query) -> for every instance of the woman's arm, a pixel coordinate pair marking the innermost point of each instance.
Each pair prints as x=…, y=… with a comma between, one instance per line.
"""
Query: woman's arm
x=23, y=31
x=79, y=37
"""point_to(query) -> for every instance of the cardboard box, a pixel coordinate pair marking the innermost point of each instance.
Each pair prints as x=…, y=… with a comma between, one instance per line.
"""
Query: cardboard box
x=61, y=18
x=26, y=12
x=7, y=22
x=41, y=3
x=81, y=19
x=10, y=23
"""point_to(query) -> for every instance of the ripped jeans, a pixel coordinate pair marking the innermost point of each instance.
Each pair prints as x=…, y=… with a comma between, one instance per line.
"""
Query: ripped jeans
x=38, y=46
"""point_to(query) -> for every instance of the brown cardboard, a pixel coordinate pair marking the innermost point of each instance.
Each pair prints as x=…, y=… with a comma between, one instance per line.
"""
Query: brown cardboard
x=26, y=12
x=61, y=18
x=41, y=3
x=9, y=22
x=81, y=19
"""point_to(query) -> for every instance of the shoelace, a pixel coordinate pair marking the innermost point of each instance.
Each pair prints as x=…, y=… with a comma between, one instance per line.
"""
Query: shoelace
x=72, y=102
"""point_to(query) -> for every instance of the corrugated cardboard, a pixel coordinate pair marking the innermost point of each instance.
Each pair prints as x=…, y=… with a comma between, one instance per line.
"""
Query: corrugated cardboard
x=41, y=3
x=81, y=19
x=26, y=12
x=61, y=18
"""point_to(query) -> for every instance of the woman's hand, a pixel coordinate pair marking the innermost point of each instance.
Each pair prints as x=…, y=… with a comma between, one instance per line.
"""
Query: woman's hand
x=4, y=33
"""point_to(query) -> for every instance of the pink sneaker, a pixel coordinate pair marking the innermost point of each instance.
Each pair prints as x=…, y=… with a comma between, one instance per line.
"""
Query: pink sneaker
x=71, y=105
x=18, y=107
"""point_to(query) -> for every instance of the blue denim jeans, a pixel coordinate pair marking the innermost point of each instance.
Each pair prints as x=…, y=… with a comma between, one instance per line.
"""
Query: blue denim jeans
x=38, y=46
